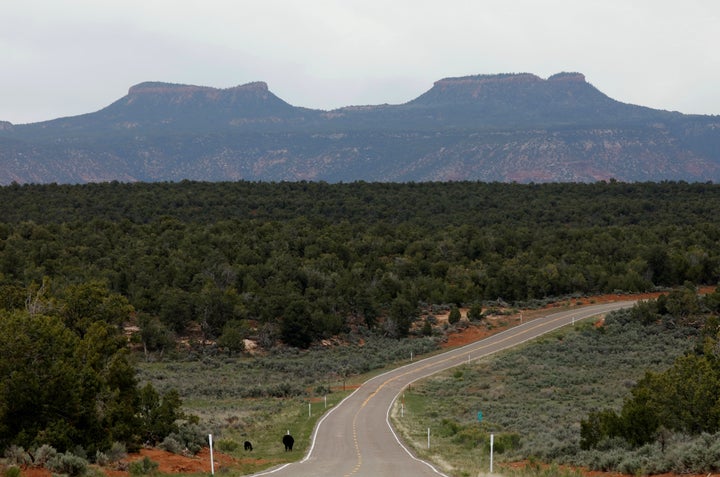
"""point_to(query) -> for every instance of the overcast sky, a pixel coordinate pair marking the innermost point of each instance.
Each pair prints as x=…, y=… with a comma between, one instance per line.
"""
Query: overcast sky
x=68, y=57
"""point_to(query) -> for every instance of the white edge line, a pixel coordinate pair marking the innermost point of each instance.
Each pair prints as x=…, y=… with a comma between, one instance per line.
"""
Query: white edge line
x=412, y=456
x=392, y=403
x=312, y=440
x=387, y=415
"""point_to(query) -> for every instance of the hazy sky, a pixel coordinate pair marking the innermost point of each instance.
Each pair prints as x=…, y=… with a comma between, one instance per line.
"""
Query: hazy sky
x=68, y=57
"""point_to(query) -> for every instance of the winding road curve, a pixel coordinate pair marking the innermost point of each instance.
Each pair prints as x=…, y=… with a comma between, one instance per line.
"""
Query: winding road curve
x=355, y=439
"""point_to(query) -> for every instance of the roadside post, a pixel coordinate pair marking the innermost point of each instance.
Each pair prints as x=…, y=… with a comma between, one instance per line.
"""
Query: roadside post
x=212, y=460
x=492, y=436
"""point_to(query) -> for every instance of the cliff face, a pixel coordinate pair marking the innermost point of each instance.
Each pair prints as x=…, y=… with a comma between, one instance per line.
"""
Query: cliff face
x=166, y=106
x=167, y=94
x=510, y=127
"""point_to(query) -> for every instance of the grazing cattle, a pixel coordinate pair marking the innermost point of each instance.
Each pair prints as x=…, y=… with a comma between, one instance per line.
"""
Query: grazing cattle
x=288, y=441
x=248, y=446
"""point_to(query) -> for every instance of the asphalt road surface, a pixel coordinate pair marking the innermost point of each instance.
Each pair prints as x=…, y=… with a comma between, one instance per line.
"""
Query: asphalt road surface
x=355, y=438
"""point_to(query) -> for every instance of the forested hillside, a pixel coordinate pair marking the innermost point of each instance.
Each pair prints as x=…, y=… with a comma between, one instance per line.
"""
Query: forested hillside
x=298, y=262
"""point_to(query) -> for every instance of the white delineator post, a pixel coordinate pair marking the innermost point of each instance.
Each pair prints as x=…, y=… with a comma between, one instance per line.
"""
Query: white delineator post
x=492, y=437
x=212, y=460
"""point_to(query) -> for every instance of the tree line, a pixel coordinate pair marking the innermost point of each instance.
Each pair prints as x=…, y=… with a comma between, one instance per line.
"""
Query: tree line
x=298, y=262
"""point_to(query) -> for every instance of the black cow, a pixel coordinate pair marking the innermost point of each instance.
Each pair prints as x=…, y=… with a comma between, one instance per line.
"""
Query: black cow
x=248, y=446
x=288, y=441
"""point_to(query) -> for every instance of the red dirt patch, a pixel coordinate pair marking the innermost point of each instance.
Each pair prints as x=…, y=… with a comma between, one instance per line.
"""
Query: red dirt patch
x=35, y=472
x=469, y=335
x=474, y=333
x=168, y=463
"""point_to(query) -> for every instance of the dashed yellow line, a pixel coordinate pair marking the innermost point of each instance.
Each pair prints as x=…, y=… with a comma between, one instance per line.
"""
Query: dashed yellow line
x=428, y=365
x=357, y=445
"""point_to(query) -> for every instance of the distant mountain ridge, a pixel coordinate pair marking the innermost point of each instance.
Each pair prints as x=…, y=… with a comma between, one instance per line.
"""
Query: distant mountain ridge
x=506, y=127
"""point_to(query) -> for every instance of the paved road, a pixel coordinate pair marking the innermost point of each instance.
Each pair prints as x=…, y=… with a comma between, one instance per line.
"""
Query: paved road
x=355, y=438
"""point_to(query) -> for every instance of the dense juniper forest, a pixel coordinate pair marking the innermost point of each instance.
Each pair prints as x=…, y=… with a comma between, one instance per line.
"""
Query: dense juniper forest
x=288, y=265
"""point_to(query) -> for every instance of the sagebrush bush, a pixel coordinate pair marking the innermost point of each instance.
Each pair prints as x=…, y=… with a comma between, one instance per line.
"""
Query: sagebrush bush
x=699, y=454
x=68, y=463
x=609, y=460
x=16, y=455
x=189, y=436
x=283, y=372
x=94, y=472
x=43, y=455
x=632, y=464
x=171, y=444
x=117, y=452
x=101, y=458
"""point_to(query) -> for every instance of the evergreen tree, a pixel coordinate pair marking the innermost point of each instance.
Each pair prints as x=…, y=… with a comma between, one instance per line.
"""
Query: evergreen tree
x=454, y=316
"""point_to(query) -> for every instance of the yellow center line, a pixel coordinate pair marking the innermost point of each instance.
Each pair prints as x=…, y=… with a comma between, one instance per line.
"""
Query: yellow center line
x=357, y=445
x=435, y=363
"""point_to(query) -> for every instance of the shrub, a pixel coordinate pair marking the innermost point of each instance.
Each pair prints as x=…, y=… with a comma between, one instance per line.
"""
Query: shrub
x=227, y=445
x=171, y=444
x=117, y=452
x=449, y=428
x=189, y=436
x=143, y=466
x=79, y=451
x=43, y=455
x=426, y=328
x=101, y=458
x=506, y=441
x=701, y=454
x=608, y=461
x=322, y=390
x=12, y=471
x=16, y=455
x=94, y=472
x=68, y=463
x=475, y=312
x=454, y=316
x=632, y=464
x=471, y=437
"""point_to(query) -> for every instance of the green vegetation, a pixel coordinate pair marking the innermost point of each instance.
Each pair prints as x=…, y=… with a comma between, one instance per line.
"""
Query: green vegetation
x=245, y=301
x=145, y=466
x=636, y=395
x=265, y=427
x=302, y=262
x=67, y=378
x=683, y=400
